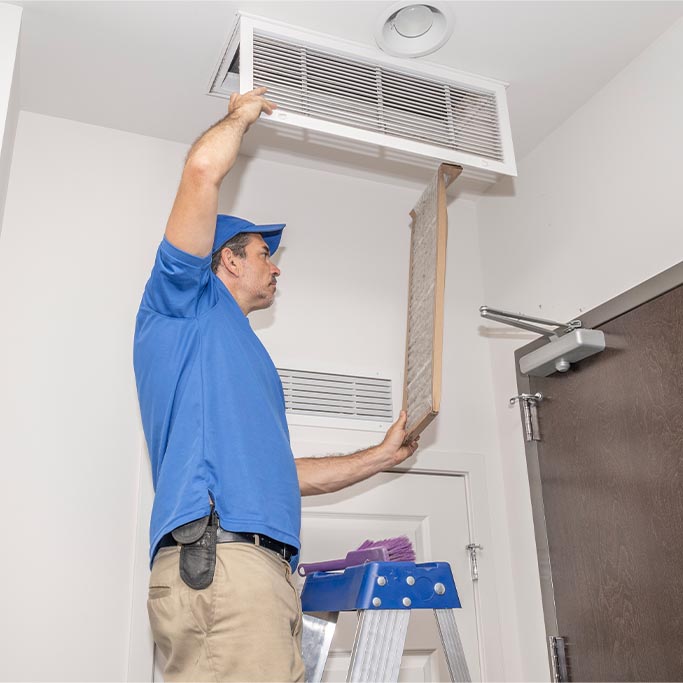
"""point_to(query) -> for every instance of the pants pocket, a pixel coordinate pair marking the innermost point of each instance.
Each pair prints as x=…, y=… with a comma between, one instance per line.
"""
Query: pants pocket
x=161, y=620
x=156, y=592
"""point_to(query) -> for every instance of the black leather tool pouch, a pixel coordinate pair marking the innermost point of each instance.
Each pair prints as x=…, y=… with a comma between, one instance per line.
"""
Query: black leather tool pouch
x=198, y=550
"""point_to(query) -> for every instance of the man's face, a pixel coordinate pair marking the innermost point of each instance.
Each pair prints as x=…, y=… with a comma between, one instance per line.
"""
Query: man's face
x=258, y=278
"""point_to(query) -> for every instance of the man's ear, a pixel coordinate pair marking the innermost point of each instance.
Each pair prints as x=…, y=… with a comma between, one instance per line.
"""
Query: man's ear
x=232, y=263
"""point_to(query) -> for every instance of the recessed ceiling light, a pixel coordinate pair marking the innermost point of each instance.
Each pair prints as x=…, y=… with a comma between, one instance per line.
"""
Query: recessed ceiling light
x=413, y=21
x=413, y=29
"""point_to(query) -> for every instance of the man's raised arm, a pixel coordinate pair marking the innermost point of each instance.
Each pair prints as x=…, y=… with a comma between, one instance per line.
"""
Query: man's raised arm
x=192, y=223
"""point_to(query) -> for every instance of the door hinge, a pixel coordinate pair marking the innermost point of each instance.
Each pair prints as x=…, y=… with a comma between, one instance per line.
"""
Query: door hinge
x=474, y=567
x=558, y=658
x=529, y=403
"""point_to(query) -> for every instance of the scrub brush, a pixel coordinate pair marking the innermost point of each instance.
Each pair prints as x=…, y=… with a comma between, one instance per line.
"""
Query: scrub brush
x=389, y=550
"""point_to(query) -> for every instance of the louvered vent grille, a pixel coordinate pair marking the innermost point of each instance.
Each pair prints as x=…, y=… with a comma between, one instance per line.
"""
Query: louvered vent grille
x=310, y=82
x=340, y=396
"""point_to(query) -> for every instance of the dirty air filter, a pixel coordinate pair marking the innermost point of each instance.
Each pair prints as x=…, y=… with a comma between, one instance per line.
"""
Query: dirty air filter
x=424, y=342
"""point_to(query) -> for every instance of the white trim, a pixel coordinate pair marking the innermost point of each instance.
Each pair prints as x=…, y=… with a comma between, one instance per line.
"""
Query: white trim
x=471, y=466
x=246, y=50
x=140, y=665
x=227, y=53
x=506, y=140
x=295, y=419
x=280, y=116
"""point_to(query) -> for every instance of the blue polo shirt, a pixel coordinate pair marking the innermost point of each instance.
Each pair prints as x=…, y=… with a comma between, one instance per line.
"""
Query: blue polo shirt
x=212, y=407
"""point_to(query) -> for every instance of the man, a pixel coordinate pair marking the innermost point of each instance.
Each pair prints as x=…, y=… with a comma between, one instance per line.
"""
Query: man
x=226, y=517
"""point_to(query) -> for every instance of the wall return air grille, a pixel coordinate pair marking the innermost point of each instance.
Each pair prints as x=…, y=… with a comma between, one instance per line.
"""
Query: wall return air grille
x=337, y=396
x=350, y=91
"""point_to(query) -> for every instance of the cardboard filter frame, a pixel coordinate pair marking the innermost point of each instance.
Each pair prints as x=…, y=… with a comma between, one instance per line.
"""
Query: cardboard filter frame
x=427, y=279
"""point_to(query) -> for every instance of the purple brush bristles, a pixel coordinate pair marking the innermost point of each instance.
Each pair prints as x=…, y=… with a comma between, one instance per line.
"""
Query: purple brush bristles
x=389, y=550
x=399, y=549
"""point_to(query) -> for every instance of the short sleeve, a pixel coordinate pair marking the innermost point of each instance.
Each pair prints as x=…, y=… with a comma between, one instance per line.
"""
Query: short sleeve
x=177, y=283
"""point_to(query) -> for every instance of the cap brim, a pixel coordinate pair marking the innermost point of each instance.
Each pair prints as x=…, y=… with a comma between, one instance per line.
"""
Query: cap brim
x=276, y=227
x=272, y=234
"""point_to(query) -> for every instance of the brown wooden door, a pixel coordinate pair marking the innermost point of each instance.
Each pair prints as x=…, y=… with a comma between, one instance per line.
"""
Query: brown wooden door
x=610, y=464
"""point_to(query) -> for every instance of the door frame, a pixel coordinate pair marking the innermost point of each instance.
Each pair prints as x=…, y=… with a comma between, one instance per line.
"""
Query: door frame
x=471, y=467
x=623, y=303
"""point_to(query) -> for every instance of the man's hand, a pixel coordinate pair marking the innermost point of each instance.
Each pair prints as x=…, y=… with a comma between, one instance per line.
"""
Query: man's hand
x=248, y=106
x=395, y=445
x=324, y=475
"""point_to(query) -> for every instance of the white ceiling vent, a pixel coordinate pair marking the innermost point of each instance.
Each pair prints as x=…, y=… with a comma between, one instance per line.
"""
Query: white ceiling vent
x=345, y=90
x=337, y=396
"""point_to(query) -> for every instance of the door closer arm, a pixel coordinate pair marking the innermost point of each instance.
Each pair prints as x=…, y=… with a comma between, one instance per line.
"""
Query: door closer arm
x=567, y=342
x=527, y=322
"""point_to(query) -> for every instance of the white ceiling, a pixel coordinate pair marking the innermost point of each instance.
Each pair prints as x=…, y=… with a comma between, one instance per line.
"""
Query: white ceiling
x=144, y=67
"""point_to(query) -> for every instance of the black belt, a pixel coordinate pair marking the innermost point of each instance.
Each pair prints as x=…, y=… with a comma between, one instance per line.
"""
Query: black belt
x=223, y=536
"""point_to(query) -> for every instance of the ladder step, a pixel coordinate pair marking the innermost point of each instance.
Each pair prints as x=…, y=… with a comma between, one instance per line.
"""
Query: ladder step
x=382, y=586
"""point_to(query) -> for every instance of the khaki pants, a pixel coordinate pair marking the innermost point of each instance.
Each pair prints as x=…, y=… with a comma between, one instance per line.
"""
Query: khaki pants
x=246, y=626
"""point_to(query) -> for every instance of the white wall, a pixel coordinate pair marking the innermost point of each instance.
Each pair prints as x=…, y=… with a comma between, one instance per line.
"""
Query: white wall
x=596, y=209
x=10, y=25
x=80, y=205
x=85, y=212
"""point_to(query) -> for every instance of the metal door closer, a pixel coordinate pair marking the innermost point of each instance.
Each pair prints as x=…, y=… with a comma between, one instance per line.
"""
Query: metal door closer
x=383, y=594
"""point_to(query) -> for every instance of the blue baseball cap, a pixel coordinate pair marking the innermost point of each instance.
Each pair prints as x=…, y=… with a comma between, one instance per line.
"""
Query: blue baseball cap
x=229, y=226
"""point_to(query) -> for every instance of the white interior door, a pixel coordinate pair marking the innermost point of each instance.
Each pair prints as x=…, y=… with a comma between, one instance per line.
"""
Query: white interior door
x=432, y=511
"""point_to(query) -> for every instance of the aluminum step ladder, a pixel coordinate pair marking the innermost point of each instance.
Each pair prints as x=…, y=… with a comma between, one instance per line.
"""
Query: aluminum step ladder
x=383, y=594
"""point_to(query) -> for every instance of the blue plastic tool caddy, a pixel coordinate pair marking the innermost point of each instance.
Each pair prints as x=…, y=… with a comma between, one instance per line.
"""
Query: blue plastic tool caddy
x=381, y=586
